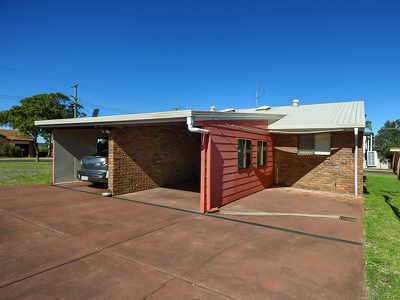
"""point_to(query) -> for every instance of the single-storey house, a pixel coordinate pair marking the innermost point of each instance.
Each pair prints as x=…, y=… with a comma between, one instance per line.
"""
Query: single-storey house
x=229, y=154
x=16, y=138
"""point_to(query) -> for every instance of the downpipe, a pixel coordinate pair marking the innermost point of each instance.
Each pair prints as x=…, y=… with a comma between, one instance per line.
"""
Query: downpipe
x=191, y=128
x=355, y=161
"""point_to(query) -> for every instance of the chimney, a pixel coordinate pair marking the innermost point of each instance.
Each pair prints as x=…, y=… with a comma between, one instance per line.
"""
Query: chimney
x=212, y=108
x=295, y=102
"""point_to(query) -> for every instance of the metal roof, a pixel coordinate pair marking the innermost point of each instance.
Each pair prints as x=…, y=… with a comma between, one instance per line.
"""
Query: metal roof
x=284, y=119
x=158, y=117
x=15, y=135
x=316, y=117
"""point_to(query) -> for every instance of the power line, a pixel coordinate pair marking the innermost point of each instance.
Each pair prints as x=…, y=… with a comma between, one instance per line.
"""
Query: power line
x=95, y=105
x=91, y=104
x=11, y=96
x=16, y=72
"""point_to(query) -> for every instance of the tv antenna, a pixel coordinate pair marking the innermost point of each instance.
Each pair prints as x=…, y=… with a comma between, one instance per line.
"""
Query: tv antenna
x=257, y=87
x=258, y=93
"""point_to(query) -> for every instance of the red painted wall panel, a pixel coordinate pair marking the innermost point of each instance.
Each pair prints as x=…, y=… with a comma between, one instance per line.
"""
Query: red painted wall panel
x=225, y=181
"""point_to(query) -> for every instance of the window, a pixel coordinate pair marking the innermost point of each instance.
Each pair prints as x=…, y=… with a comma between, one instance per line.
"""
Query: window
x=314, y=144
x=323, y=144
x=306, y=144
x=261, y=153
x=244, y=154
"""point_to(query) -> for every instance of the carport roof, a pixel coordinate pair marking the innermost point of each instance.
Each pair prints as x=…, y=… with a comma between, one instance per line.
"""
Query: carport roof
x=158, y=117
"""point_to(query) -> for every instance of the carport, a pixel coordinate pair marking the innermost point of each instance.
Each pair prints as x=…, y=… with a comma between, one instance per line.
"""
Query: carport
x=182, y=151
x=164, y=158
x=70, y=145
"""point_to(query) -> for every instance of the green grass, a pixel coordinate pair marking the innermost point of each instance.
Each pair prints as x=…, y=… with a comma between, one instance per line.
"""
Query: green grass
x=382, y=227
x=25, y=173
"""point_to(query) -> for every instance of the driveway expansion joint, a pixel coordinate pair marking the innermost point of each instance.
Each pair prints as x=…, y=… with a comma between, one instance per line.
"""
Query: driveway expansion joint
x=37, y=224
x=214, y=262
x=288, y=230
x=48, y=269
x=97, y=249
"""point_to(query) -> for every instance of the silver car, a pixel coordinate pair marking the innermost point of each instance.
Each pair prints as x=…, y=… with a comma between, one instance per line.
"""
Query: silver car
x=94, y=168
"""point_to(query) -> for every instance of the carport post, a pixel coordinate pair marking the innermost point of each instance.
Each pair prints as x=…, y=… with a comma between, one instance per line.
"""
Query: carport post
x=203, y=173
x=356, y=161
x=54, y=160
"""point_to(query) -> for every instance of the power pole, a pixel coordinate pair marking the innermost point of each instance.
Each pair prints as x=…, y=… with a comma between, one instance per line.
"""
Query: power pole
x=257, y=86
x=75, y=99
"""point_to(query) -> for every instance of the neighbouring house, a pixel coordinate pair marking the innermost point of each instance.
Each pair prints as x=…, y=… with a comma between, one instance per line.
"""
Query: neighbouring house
x=370, y=155
x=16, y=138
x=228, y=154
x=396, y=161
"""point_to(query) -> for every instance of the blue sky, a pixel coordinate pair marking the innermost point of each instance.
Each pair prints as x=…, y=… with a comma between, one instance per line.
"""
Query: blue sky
x=159, y=55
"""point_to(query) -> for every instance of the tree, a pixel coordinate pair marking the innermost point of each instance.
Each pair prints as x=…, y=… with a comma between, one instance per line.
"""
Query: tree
x=388, y=136
x=368, y=125
x=47, y=138
x=38, y=107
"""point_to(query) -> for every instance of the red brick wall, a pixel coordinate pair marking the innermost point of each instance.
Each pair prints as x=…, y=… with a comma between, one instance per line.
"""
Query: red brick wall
x=145, y=157
x=334, y=173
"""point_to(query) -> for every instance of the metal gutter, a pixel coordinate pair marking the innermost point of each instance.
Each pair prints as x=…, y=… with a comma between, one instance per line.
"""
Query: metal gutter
x=309, y=131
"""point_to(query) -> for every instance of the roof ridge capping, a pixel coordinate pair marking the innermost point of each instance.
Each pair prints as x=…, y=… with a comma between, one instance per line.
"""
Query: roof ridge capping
x=321, y=104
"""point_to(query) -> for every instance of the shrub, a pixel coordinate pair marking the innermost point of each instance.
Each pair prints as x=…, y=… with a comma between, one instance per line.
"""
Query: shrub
x=10, y=151
x=43, y=152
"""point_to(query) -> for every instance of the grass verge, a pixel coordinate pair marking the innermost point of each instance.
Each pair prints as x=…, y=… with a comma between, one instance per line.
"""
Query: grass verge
x=25, y=173
x=382, y=228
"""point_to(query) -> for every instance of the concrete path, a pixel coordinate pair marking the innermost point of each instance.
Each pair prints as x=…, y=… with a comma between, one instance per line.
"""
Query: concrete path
x=62, y=243
x=24, y=159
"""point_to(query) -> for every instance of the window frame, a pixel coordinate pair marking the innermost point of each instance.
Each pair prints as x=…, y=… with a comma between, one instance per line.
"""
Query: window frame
x=262, y=153
x=320, y=141
x=244, y=154
x=306, y=151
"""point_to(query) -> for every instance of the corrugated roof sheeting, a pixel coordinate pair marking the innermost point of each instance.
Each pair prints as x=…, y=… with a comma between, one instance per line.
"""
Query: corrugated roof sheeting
x=314, y=117
x=340, y=115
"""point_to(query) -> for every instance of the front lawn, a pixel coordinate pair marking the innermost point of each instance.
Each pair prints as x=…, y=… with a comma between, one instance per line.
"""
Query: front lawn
x=382, y=227
x=25, y=173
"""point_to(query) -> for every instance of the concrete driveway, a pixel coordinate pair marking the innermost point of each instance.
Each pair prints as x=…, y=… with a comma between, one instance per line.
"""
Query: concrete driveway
x=62, y=243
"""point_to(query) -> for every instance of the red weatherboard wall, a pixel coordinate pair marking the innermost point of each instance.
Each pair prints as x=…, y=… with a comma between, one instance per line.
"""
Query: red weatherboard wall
x=222, y=181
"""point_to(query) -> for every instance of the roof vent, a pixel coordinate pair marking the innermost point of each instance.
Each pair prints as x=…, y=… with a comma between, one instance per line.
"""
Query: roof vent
x=212, y=108
x=265, y=107
x=228, y=110
x=295, y=102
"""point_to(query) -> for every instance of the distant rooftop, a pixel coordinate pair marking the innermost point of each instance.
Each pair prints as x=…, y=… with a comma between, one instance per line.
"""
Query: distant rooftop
x=14, y=135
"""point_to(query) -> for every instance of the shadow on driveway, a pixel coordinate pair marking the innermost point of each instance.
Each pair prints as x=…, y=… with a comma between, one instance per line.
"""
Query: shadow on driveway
x=63, y=243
